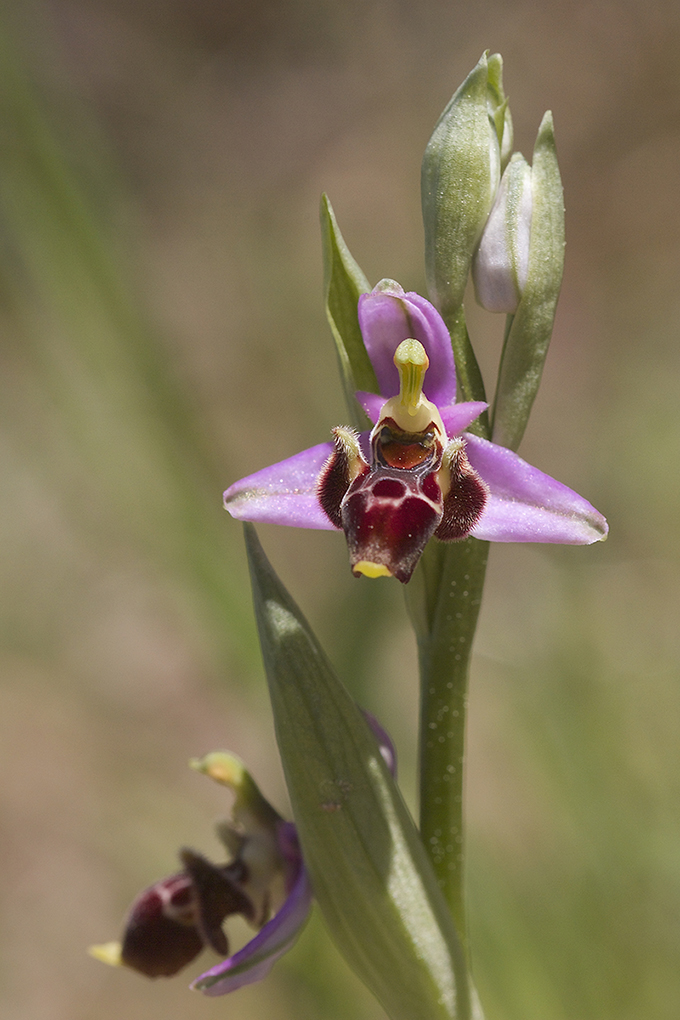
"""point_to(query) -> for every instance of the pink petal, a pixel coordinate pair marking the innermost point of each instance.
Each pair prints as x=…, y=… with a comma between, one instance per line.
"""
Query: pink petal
x=526, y=505
x=284, y=493
x=372, y=403
x=457, y=417
x=387, y=316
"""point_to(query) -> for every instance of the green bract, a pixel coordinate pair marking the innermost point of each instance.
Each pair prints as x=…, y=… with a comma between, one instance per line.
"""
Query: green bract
x=529, y=332
x=343, y=283
x=460, y=175
x=369, y=869
x=499, y=111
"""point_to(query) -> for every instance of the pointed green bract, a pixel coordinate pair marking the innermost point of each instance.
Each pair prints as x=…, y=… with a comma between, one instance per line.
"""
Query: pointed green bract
x=499, y=109
x=459, y=178
x=370, y=873
x=344, y=282
x=528, y=336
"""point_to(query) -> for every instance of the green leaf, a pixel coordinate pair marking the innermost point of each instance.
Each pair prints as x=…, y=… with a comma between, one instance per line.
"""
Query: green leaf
x=370, y=873
x=529, y=332
x=344, y=282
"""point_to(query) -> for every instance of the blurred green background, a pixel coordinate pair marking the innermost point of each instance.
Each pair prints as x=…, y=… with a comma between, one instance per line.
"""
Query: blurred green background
x=162, y=334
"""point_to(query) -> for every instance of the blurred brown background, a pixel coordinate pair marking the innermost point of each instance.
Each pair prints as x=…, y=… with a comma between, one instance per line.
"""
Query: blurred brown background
x=163, y=334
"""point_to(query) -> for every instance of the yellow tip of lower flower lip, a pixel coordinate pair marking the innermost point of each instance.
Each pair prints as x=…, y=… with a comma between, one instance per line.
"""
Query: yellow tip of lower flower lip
x=109, y=952
x=369, y=569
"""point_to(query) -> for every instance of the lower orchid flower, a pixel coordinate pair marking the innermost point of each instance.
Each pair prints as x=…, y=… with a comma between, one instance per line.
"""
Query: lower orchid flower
x=418, y=473
x=172, y=921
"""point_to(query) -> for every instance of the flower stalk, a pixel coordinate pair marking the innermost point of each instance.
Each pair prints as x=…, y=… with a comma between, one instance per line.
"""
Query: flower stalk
x=469, y=375
x=444, y=600
x=518, y=269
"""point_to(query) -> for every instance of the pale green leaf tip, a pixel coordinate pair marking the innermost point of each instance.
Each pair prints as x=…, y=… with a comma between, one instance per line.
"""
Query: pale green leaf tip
x=331, y=232
x=546, y=131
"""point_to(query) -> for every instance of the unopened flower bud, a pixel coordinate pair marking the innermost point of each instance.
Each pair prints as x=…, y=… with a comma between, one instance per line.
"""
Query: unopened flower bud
x=460, y=175
x=501, y=263
x=499, y=110
x=523, y=248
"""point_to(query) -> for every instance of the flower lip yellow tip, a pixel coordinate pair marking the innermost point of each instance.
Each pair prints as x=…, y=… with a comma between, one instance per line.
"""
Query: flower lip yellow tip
x=369, y=569
x=108, y=952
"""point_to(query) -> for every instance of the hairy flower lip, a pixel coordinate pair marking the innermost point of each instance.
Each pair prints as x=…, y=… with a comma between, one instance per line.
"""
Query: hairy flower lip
x=524, y=504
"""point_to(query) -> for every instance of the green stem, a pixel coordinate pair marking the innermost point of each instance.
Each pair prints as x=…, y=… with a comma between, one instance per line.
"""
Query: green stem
x=470, y=382
x=444, y=606
x=509, y=319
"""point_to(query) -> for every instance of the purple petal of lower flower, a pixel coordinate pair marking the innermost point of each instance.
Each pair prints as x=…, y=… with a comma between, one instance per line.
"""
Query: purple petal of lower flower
x=256, y=959
x=284, y=493
x=387, y=316
x=526, y=505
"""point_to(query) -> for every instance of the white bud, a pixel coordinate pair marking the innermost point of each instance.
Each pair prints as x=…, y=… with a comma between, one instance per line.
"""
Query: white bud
x=501, y=262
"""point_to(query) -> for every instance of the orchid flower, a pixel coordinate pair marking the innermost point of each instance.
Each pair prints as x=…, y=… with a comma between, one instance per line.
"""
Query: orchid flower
x=418, y=473
x=277, y=936
x=266, y=882
x=171, y=922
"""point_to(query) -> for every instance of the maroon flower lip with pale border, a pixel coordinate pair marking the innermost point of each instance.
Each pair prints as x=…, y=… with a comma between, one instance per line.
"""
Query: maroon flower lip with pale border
x=523, y=504
x=174, y=920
